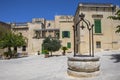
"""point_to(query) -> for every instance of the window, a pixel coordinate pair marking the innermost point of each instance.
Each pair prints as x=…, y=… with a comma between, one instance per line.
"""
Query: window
x=98, y=44
x=49, y=25
x=24, y=48
x=68, y=45
x=57, y=34
x=97, y=23
x=66, y=34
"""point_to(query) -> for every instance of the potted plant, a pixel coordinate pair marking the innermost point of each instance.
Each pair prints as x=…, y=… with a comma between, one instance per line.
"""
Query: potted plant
x=46, y=53
x=6, y=55
x=64, y=50
x=38, y=52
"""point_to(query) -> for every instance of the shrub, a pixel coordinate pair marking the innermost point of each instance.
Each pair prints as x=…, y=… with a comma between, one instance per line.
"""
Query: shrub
x=45, y=52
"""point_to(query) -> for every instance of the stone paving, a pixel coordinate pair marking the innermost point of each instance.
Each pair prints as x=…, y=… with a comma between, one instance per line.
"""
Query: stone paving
x=55, y=68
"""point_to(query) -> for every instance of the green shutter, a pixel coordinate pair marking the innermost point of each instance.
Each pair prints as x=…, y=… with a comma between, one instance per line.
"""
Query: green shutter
x=42, y=49
x=68, y=34
x=62, y=34
x=68, y=45
x=65, y=34
x=97, y=25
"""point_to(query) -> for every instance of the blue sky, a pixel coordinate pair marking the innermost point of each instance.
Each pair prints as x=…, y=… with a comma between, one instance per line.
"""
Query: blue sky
x=25, y=10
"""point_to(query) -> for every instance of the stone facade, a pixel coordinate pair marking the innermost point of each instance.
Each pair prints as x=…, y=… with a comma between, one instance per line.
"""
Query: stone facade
x=62, y=27
x=105, y=37
x=36, y=31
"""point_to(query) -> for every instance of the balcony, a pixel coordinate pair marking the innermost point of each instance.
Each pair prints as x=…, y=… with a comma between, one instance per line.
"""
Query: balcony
x=43, y=33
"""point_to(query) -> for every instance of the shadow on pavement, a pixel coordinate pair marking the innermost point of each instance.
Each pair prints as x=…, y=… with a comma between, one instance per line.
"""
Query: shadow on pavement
x=116, y=57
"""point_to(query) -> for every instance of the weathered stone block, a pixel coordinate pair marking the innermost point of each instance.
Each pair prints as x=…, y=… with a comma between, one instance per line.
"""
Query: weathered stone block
x=83, y=66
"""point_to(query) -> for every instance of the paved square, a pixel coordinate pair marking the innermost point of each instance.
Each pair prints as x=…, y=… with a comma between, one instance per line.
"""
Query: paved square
x=55, y=68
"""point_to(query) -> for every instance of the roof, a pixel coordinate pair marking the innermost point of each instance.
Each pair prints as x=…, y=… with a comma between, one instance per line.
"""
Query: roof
x=96, y=5
x=6, y=25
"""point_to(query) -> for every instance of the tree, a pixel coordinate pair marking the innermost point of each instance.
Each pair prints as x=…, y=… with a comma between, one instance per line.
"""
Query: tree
x=116, y=17
x=9, y=40
x=64, y=49
x=6, y=41
x=19, y=41
x=51, y=44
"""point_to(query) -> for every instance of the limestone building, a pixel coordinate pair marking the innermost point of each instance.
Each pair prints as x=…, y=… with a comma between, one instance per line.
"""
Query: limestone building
x=104, y=29
x=61, y=27
x=40, y=28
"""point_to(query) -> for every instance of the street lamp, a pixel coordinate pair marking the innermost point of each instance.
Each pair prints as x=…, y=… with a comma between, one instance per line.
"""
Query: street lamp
x=90, y=29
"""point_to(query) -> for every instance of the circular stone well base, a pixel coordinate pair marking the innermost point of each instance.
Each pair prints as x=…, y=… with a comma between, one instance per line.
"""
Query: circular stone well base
x=83, y=66
x=82, y=74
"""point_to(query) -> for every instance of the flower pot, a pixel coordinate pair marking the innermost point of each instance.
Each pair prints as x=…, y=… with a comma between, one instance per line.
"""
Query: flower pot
x=63, y=53
x=46, y=55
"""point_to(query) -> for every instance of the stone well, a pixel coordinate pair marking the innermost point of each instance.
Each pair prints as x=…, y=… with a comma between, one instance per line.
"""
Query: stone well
x=83, y=66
